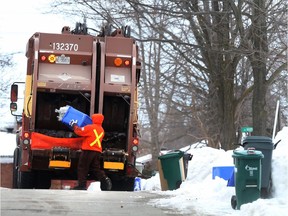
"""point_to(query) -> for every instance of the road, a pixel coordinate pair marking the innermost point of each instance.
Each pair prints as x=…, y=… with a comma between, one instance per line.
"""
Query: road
x=21, y=202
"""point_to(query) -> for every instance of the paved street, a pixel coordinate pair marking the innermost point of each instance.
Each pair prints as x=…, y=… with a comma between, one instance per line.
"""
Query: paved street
x=19, y=202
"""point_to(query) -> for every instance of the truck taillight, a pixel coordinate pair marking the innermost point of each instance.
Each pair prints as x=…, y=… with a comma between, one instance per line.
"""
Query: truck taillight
x=126, y=62
x=26, y=135
x=26, y=138
x=135, y=144
x=43, y=58
x=119, y=62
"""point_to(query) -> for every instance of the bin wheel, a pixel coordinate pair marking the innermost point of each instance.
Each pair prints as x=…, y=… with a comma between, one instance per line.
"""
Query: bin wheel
x=178, y=183
x=234, y=202
x=266, y=192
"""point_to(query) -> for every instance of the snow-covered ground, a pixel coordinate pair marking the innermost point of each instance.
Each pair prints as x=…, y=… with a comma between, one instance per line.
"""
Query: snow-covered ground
x=212, y=197
x=207, y=196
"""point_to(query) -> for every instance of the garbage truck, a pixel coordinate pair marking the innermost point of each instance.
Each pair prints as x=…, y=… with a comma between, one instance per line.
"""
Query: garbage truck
x=92, y=74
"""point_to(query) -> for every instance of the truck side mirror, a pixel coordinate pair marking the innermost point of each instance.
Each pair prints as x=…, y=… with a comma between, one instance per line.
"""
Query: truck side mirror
x=14, y=94
x=13, y=107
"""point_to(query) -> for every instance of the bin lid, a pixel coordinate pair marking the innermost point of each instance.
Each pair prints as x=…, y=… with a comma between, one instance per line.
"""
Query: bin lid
x=174, y=154
x=258, y=142
x=257, y=139
x=249, y=154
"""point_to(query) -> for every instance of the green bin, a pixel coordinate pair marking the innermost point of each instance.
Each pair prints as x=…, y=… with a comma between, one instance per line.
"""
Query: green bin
x=248, y=164
x=171, y=170
x=266, y=146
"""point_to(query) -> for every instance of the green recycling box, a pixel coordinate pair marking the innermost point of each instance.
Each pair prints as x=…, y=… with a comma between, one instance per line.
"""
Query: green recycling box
x=247, y=175
x=171, y=170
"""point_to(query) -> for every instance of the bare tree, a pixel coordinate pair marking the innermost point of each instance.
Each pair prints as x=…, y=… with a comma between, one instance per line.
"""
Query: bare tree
x=6, y=63
x=220, y=37
x=202, y=61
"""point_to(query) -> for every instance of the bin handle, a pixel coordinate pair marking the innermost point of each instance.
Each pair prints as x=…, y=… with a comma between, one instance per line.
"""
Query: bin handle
x=275, y=145
x=251, y=150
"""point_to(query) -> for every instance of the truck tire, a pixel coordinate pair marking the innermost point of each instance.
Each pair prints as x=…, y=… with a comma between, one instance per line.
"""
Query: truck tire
x=15, y=168
x=32, y=179
x=26, y=180
x=130, y=184
x=18, y=137
x=126, y=184
x=42, y=180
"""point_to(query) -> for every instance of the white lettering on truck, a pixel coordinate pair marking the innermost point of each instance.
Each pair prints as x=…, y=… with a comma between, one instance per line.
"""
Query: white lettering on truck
x=65, y=46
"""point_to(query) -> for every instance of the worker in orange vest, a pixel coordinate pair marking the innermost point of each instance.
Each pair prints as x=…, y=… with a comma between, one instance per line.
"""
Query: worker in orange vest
x=91, y=151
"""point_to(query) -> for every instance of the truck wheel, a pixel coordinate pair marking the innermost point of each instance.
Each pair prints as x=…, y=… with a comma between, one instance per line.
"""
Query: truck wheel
x=130, y=184
x=18, y=137
x=26, y=180
x=126, y=184
x=15, y=168
x=43, y=180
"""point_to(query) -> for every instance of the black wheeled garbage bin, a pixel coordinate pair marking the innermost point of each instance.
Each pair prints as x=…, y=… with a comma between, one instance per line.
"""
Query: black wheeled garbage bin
x=186, y=158
x=265, y=145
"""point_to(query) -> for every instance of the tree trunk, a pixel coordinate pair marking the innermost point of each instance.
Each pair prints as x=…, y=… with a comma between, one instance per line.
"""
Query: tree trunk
x=258, y=62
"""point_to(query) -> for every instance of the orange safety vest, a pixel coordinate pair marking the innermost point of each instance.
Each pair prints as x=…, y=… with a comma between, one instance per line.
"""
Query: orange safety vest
x=93, y=135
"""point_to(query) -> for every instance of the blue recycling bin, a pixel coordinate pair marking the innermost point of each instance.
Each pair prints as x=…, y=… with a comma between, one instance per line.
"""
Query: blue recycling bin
x=224, y=172
x=74, y=114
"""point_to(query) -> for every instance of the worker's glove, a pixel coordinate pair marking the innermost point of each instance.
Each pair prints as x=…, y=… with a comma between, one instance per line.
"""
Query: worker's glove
x=73, y=123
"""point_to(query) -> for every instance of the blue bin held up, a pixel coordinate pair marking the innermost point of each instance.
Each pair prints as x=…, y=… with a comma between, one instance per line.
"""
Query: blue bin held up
x=74, y=114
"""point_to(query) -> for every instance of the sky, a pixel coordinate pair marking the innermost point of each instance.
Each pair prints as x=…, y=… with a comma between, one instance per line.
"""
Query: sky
x=20, y=20
x=200, y=192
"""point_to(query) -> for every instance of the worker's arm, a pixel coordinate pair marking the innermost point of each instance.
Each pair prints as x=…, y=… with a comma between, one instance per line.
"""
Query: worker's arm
x=82, y=131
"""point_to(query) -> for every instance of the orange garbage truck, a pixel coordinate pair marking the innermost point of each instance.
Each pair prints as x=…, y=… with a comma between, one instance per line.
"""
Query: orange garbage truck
x=92, y=74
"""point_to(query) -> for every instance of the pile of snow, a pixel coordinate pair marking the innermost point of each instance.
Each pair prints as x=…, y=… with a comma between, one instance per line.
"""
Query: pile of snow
x=7, y=147
x=199, y=194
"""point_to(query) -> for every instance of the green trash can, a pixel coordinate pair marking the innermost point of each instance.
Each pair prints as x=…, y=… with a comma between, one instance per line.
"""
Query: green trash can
x=266, y=146
x=247, y=176
x=171, y=170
